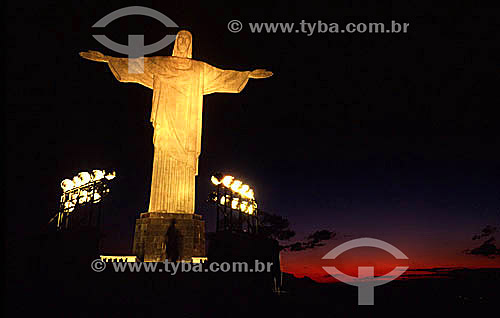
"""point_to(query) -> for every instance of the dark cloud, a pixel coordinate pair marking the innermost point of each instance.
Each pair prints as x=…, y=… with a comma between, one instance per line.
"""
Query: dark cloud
x=488, y=249
x=487, y=231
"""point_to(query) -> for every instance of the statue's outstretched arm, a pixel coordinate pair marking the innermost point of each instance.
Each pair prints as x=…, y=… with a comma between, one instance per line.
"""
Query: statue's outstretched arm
x=95, y=56
x=124, y=69
x=260, y=73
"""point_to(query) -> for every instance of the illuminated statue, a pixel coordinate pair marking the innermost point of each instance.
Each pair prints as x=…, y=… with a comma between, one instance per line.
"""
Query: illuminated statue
x=178, y=84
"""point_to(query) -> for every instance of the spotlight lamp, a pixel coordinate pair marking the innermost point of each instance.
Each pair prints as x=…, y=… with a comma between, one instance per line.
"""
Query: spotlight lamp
x=215, y=181
x=97, y=175
x=234, y=196
x=83, y=189
x=110, y=175
x=67, y=185
x=227, y=180
x=236, y=185
x=244, y=199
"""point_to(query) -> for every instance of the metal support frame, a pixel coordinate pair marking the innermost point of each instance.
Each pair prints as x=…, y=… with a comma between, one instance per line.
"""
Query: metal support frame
x=100, y=187
x=226, y=220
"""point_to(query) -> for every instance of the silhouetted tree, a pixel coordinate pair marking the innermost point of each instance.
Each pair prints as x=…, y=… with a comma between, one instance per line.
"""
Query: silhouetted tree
x=278, y=228
x=275, y=227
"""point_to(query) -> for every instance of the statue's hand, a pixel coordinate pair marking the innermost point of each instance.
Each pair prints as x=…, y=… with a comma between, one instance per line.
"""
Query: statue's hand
x=94, y=56
x=260, y=73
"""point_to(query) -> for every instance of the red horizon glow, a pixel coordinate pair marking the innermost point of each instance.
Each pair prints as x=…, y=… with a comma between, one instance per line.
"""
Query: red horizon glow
x=310, y=263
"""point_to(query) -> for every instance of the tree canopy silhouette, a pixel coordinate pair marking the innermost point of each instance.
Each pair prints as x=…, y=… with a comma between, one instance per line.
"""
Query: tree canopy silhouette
x=278, y=227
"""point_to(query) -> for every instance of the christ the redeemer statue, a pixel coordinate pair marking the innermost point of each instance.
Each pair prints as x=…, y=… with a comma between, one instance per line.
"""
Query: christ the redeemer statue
x=178, y=83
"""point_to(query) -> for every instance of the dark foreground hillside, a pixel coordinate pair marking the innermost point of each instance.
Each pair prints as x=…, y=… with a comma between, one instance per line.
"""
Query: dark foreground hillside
x=52, y=284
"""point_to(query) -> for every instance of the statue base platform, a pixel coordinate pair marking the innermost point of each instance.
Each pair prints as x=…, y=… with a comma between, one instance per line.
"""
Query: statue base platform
x=176, y=236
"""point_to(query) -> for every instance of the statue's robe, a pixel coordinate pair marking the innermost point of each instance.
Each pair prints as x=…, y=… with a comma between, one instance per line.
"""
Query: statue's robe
x=178, y=87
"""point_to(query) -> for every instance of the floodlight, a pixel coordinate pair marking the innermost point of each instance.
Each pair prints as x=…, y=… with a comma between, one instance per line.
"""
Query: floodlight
x=235, y=186
x=215, y=180
x=67, y=185
x=227, y=180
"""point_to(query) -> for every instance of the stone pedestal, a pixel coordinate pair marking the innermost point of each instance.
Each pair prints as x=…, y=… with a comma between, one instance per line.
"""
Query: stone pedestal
x=175, y=236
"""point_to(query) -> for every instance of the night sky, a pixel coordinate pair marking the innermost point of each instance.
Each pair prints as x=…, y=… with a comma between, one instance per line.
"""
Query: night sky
x=390, y=136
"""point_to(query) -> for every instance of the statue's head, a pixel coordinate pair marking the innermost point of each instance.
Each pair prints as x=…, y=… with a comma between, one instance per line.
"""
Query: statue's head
x=183, y=44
